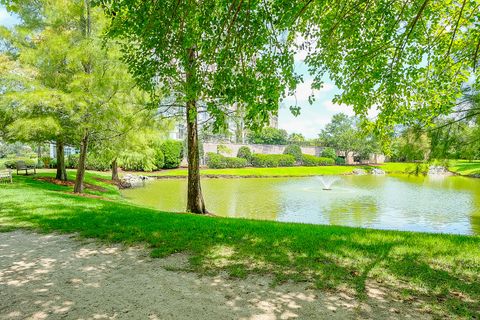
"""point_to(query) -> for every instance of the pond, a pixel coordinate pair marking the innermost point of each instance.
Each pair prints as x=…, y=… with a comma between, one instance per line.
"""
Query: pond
x=430, y=204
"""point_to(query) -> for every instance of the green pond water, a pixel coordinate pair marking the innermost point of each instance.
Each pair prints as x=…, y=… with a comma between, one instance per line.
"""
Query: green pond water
x=431, y=204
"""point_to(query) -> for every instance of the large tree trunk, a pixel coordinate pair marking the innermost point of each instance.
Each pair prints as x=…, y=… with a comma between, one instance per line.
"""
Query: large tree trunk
x=78, y=188
x=61, y=170
x=195, y=202
x=115, y=170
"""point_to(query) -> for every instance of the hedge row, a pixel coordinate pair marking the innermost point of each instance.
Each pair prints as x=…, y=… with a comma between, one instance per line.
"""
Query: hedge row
x=312, y=161
x=272, y=160
x=217, y=161
x=12, y=164
x=93, y=163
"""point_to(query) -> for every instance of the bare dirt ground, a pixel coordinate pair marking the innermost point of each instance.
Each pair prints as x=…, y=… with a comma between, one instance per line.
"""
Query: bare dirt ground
x=58, y=277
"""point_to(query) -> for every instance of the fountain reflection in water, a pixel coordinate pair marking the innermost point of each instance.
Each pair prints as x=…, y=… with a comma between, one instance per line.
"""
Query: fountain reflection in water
x=327, y=182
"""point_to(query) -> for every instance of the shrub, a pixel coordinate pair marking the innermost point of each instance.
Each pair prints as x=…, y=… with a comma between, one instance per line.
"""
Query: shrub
x=329, y=153
x=53, y=163
x=93, y=162
x=340, y=161
x=137, y=161
x=272, y=160
x=245, y=153
x=46, y=162
x=97, y=163
x=286, y=160
x=72, y=161
x=12, y=163
x=159, y=158
x=312, y=161
x=233, y=162
x=173, y=153
x=223, y=149
x=217, y=161
x=295, y=151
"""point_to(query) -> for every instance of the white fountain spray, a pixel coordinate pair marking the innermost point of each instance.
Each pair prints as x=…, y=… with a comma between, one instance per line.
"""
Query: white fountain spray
x=327, y=182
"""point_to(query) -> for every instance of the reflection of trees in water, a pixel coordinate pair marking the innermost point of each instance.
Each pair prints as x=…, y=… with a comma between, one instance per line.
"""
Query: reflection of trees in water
x=475, y=215
x=359, y=212
x=243, y=198
x=366, y=181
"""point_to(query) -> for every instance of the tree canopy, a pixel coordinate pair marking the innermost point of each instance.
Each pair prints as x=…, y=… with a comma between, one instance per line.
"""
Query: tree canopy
x=408, y=59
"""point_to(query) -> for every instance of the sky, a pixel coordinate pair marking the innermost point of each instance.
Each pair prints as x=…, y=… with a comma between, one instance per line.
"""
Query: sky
x=312, y=118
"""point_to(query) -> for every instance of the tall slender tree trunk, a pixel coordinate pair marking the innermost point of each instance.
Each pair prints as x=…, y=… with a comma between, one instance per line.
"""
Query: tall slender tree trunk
x=115, y=170
x=39, y=154
x=61, y=170
x=78, y=188
x=195, y=202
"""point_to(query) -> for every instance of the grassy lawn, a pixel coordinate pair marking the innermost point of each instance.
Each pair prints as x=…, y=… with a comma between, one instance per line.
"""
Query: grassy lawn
x=465, y=167
x=440, y=271
x=462, y=167
x=265, y=172
x=398, y=167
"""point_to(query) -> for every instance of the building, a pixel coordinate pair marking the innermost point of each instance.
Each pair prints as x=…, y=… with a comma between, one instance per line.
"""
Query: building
x=236, y=131
x=67, y=149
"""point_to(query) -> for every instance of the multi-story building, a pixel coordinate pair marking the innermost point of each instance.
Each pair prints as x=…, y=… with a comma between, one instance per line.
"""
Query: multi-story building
x=236, y=131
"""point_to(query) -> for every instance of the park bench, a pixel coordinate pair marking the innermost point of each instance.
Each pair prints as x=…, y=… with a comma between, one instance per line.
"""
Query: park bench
x=22, y=166
x=6, y=176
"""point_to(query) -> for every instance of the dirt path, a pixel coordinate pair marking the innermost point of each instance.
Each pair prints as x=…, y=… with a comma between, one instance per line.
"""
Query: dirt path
x=58, y=277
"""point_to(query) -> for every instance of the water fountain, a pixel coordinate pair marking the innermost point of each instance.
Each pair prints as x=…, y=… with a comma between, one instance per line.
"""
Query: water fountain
x=327, y=182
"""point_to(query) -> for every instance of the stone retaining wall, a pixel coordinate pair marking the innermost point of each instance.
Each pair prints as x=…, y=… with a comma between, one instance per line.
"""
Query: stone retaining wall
x=257, y=148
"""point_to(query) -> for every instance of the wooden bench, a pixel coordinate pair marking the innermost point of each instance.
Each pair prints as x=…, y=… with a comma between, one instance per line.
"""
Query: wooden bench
x=6, y=176
x=22, y=166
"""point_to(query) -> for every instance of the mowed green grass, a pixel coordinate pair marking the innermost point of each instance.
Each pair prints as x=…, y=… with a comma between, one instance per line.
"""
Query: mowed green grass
x=265, y=172
x=465, y=167
x=440, y=271
x=461, y=167
x=398, y=167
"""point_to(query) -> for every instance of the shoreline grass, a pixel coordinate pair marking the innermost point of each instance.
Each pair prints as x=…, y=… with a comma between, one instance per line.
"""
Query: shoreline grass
x=459, y=167
x=441, y=270
x=465, y=168
x=263, y=172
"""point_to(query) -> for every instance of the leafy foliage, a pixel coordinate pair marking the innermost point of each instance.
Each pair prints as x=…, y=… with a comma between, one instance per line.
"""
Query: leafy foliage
x=93, y=162
x=296, y=138
x=12, y=164
x=245, y=153
x=329, y=153
x=312, y=161
x=232, y=56
x=294, y=150
x=346, y=134
x=139, y=161
x=411, y=145
x=173, y=153
x=339, y=161
x=269, y=135
x=272, y=160
x=407, y=60
x=217, y=161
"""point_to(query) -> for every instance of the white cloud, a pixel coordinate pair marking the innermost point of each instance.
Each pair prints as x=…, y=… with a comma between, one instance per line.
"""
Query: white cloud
x=304, y=90
x=337, y=108
x=309, y=122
